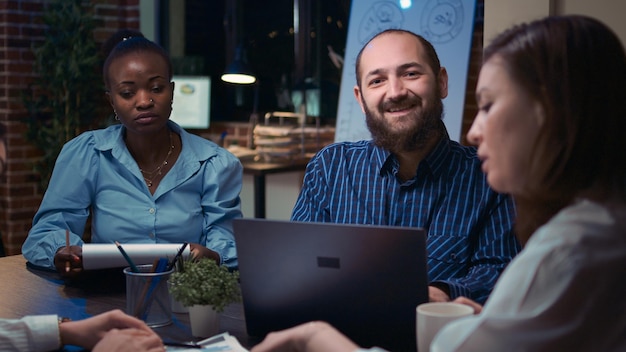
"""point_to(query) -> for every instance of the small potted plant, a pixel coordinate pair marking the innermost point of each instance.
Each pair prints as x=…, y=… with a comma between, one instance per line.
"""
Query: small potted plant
x=206, y=289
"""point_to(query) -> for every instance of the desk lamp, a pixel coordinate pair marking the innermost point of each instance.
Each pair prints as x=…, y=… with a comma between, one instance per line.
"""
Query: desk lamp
x=238, y=72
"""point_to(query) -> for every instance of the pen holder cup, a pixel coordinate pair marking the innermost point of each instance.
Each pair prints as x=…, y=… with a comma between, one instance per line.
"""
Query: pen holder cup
x=147, y=296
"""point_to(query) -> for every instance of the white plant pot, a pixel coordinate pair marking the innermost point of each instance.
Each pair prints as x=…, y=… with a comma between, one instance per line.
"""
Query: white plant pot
x=204, y=321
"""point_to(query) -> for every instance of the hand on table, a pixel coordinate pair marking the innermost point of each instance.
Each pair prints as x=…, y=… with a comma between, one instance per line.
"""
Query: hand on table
x=74, y=257
x=309, y=337
x=129, y=340
x=113, y=328
x=468, y=302
x=437, y=295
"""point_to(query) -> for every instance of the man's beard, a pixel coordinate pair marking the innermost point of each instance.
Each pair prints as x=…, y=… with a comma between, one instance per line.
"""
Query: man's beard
x=427, y=124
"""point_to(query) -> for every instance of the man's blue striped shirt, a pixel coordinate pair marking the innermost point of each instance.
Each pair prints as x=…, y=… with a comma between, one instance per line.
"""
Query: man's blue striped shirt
x=469, y=226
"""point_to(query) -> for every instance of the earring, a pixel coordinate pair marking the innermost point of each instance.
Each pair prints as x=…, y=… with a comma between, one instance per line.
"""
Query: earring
x=116, y=117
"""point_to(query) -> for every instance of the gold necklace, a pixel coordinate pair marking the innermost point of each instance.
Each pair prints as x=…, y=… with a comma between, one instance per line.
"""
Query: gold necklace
x=159, y=168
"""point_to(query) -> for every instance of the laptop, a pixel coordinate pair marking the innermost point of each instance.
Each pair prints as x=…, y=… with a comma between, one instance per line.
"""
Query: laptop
x=365, y=280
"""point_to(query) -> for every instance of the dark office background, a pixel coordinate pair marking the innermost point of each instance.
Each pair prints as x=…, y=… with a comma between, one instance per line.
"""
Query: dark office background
x=281, y=58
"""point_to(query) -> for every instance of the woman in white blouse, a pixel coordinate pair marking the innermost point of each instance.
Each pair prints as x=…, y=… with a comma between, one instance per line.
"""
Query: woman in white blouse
x=110, y=331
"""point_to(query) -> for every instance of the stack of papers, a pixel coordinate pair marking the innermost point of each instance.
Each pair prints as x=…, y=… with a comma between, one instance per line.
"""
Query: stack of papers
x=242, y=153
x=290, y=141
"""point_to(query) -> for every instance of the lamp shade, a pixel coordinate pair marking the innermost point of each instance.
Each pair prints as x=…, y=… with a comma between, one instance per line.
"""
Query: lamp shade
x=238, y=71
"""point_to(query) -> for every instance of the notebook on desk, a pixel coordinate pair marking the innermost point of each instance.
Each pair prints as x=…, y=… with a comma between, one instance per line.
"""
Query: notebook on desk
x=364, y=280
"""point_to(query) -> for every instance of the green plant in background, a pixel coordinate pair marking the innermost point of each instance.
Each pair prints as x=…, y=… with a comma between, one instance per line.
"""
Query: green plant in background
x=65, y=97
x=203, y=282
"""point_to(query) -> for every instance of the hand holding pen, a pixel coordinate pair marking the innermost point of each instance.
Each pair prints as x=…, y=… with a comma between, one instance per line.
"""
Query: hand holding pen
x=68, y=264
x=68, y=259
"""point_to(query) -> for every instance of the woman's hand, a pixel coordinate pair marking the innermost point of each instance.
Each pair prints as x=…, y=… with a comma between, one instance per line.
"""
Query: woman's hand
x=69, y=263
x=468, y=302
x=199, y=251
x=310, y=337
x=129, y=340
x=89, y=332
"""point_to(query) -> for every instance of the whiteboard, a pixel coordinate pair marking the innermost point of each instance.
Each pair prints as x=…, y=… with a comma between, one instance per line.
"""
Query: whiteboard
x=447, y=24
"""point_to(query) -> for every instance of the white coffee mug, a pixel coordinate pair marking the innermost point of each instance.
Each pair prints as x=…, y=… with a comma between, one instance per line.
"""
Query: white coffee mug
x=431, y=317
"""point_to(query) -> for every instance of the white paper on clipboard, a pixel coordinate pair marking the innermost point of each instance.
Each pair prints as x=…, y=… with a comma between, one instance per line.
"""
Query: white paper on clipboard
x=107, y=255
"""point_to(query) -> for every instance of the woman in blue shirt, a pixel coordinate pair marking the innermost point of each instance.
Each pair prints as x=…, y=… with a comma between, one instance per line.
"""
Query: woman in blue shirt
x=145, y=180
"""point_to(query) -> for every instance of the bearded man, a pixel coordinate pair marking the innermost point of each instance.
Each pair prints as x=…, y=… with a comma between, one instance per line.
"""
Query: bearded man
x=412, y=174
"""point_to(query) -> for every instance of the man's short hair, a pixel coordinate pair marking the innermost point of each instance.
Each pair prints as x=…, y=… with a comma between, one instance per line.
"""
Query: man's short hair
x=431, y=54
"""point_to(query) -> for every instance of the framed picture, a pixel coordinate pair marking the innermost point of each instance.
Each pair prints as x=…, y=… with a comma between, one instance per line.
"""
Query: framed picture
x=192, y=101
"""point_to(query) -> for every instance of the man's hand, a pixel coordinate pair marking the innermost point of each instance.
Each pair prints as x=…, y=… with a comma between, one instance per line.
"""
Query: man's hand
x=468, y=302
x=437, y=295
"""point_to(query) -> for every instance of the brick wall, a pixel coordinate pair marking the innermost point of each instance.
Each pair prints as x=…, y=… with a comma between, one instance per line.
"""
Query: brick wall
x=20, y=28
x=476, y=58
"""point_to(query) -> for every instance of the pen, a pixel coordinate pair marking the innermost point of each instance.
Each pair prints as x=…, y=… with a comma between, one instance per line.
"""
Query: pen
x=151, y=284
x=161, y=265
x=144, y=292
x=67, y=246
x=132, y=265
x=180, y=252
x=181, y=344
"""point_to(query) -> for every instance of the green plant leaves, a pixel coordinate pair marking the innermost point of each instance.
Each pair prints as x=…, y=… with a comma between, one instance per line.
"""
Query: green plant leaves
x=203, y=282
x=64, y=98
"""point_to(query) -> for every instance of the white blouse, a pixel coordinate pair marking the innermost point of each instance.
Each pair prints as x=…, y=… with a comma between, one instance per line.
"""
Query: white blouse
x=566, y=291
x=31, y=333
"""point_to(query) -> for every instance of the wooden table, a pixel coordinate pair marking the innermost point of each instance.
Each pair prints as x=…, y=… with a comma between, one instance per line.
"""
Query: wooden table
x=28, y=291
x=259, y=169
